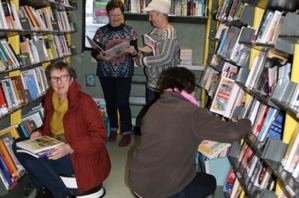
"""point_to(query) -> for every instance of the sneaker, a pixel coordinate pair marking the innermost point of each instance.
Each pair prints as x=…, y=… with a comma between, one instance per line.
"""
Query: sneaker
x=125, y=141
x=113, y=136
x=43, y=193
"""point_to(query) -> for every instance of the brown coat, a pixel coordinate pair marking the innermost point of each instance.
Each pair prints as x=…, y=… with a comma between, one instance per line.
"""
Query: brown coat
x=86, y=133
x=172, y=128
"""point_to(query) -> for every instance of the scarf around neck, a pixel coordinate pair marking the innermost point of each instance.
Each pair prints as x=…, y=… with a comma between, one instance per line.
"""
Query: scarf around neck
x=60, y=109
x=185, y=95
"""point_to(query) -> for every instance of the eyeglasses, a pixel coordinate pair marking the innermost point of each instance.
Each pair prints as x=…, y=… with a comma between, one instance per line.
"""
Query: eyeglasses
x=115, y=15
x=62, y=78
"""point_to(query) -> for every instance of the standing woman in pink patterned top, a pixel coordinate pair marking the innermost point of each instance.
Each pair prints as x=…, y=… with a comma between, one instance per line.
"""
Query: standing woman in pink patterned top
x=115, y=73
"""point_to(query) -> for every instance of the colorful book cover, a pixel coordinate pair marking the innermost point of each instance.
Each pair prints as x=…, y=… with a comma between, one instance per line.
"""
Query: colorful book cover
x=222, y=95
x=39, y=144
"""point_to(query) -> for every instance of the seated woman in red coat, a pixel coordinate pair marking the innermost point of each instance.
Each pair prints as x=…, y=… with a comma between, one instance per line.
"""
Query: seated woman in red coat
x=71, y=116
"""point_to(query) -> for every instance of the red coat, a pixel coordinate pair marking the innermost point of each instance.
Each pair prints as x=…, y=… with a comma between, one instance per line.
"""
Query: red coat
x=86, y=133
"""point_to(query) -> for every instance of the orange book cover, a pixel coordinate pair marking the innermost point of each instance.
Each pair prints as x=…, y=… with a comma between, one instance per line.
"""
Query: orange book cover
x=11, y=164
x=9, y=168
x=31, y=16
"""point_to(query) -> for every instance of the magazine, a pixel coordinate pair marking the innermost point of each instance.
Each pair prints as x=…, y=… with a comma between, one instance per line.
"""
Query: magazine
x=117, y=50
x=38, y=147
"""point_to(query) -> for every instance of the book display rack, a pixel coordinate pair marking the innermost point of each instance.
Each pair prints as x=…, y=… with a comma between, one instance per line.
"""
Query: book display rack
x=257, y=49
x=33, y=33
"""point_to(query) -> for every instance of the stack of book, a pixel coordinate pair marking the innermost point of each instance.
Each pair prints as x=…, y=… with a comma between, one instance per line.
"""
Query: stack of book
x=186, y=57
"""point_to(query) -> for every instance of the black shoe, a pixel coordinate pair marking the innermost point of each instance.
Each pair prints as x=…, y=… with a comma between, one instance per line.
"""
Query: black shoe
x=43, y=193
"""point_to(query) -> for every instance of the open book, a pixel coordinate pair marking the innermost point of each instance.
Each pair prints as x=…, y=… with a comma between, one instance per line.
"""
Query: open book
x=116, y=50
x=150, y=45
x=38, y=147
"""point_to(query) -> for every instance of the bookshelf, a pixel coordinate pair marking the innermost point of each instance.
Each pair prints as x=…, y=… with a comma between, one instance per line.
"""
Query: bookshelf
x=44, y=28
x=264, y=55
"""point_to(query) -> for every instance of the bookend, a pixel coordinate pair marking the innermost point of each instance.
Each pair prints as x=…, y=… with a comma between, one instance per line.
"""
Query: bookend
x=247, y=15
x=282, y=91
x=242, y=75
x=234, y=149
x=274, y=150
x=284, y=46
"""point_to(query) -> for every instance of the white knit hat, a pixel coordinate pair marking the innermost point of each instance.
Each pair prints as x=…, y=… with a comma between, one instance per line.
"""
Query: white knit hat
x=162, y=6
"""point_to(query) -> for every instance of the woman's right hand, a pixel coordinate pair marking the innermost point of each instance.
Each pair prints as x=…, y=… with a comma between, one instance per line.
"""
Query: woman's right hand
x=35, y=134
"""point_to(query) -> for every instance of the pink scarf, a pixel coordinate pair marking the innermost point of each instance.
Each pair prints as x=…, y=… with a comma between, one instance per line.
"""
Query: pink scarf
x=185, y=95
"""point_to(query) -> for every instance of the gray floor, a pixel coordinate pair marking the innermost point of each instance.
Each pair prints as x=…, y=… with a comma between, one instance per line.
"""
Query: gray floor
x=116, y=184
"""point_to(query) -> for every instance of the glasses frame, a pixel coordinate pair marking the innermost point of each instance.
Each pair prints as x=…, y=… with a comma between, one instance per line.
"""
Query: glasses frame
x=61, y=78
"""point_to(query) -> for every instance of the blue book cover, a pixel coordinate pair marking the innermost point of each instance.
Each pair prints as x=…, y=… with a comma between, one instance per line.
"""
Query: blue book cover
x=4, y=170
x=30, y=84
x=10, y=92
x=268, y=121
x=276, y=128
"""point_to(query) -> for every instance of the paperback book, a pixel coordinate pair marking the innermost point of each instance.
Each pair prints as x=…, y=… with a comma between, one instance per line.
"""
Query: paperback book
x=117, y=50
x=212, y=149
x=38, y=147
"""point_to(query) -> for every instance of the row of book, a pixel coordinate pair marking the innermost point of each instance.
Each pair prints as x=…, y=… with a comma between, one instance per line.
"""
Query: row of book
x=8, y=58
x=35, y=49
x=230, y=10
x=226, y=83
x=269, y=27
x=178, y=7
x=253, y=172
x=10, y=168
x=43, y=48
x=18, y=90
x=290, y=161
x=29, y=18
x=186, y=56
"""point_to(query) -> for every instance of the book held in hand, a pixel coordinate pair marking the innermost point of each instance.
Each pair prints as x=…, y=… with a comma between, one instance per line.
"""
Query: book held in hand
x=38, y=147
x=150, y=45
x=117, y=50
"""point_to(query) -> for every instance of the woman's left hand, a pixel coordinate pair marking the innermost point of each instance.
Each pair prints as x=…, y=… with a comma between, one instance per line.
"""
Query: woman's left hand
x=60, y=151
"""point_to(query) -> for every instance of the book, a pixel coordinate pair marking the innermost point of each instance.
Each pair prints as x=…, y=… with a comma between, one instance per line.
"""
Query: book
x=291, y=149
x=30, y=83
x=36, y=155
x=212, y=149
x=36, y=116
x=116, y=50
x=295, y=174
x=223, y=92
x=276, y=127
x=12, y=130
x=3, y=104
x=8, y=155
x=39, y=145
x=150, y=45
x=267, y=123
x=229, y=182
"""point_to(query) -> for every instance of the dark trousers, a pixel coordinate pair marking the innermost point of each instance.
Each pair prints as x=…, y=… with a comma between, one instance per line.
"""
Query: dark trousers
x=201, y=186
x=45, y=172
x=151, y=96
x=117, y=94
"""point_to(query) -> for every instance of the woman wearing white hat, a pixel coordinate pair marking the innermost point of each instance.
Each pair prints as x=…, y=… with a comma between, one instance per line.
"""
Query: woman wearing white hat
x=167, y=52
